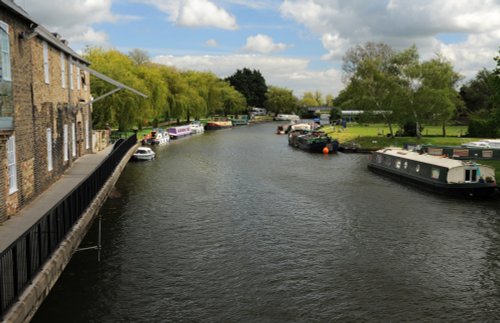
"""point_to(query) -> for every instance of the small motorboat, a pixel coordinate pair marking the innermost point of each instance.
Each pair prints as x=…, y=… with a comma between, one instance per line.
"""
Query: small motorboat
x=144, y=153
x=196, y=127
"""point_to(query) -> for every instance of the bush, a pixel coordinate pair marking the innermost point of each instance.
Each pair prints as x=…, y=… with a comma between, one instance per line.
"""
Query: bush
x=482, y=128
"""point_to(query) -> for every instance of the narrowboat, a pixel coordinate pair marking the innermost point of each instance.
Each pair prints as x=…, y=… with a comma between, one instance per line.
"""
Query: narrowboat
x=240, y=121
x=286, y=117
x=312, y=141
x=179, y=131
x=220, y=123
x=436, y=173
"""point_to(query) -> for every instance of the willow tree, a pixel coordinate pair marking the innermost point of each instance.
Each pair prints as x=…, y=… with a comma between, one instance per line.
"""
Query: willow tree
x=123, y=108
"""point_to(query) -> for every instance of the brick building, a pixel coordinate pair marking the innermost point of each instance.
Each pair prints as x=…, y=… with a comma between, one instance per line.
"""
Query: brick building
x=45, y=110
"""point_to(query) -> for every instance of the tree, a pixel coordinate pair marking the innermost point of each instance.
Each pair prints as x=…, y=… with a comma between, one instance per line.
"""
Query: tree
x=329, y=100
x=438, y=92
x=139, y=56
x=251, y=84
x=309, y=99
x=122, y=109
x=478, y=94
x=280, y=100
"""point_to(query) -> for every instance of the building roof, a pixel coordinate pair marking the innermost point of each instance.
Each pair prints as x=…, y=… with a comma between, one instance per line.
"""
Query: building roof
x=423, y=158
x=38, y=30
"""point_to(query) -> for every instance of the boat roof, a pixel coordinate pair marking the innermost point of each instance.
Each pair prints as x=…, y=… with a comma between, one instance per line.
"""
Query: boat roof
x=423, y=158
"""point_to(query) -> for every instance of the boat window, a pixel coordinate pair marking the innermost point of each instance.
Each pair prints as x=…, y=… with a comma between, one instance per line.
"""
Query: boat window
x=471, y=175
x=435, y=173
x=405, y=165
x=379, y=159
x=398, y=164
x=417, y=168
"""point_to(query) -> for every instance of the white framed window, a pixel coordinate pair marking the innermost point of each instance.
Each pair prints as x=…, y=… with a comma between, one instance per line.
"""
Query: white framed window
x=11, y=164
x=71, y=76
x=50, y=166
x=78, y=79
x=87, y=135
x=46, y=72
x=84, y=80
x=65, y=143
x=63, y=70
x=5, y=72
x=73, y=140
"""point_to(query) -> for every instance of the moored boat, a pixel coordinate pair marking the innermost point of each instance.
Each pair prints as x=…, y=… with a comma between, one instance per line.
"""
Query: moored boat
x=144, y=153
x=312, y=141
x=157, y=136
x=179, y=131
x=436, y=173
x=196, y=127
x=220, y=123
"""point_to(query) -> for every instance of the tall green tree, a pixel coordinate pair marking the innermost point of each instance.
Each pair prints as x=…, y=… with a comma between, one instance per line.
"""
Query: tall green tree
x=280, y=100
x=251, y=84
x=122, y=109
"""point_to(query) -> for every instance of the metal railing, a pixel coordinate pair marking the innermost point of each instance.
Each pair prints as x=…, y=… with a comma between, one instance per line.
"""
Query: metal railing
x=22, y=260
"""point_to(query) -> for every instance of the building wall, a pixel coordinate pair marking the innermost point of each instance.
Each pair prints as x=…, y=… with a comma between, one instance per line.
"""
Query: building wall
x=38, y=106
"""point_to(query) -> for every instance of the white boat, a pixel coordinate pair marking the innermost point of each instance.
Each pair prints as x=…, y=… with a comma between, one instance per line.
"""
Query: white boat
x=486, y=143
x=298, y=126
x=159, y=137
x=179, y=131
x=287, y=117
x=144, y=153
x=196, y=127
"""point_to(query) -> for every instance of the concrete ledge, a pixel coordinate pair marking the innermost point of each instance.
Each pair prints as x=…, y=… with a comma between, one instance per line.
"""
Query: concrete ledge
x=31, y=299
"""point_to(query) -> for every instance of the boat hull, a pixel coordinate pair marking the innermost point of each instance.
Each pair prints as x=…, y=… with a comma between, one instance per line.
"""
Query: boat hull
x=464, y=189
x=218, y=125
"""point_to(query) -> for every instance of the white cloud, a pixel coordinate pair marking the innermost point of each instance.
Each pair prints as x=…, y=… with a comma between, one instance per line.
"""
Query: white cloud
x=73, y=19
x=211, y=43
x=263, y=44
x=291, y=73
x=401, y=23
x=194, y=13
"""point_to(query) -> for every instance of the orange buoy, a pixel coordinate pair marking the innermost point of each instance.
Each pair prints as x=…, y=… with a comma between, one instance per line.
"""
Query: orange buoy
x=326, y=150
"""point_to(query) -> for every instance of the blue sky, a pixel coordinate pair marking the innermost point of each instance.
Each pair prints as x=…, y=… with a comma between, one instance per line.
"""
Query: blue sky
x=297, y=44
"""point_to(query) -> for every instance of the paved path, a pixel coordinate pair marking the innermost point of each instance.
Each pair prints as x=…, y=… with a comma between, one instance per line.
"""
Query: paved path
x=13, y=228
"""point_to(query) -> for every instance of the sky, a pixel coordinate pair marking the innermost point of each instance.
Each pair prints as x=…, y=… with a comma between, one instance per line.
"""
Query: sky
x=295, y=44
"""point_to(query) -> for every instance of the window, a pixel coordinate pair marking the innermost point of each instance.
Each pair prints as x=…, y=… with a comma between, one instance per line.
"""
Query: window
x=73, y=140
x=78, y=79
x=5, y=73
x=405, y=165
x=65, y=142
x=63, y=71
x=435, y=173
x=84, y=80
x=471, y=175
x=398, y=164
x=11, y=164
x=49, y=149
x=46, y=62
x=417, y=168
x=71, y=76
x=87, y=135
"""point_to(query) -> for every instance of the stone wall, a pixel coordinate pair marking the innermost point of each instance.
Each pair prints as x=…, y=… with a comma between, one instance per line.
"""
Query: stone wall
x=38, y=106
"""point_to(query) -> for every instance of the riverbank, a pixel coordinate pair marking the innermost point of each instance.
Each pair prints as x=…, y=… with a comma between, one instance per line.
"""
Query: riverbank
x=365, y=139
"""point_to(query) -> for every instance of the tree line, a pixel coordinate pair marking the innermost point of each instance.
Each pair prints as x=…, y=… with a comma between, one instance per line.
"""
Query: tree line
x=406, y=91
x=396, y=86
x=172, y=94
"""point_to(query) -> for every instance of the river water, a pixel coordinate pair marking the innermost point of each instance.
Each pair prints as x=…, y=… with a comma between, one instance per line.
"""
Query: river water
x=236, y=226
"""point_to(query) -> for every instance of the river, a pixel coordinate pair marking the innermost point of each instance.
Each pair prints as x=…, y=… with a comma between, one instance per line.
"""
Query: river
x=236, y=226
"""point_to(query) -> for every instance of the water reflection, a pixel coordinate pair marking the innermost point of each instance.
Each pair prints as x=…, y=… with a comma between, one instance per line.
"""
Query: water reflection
x=238, y=226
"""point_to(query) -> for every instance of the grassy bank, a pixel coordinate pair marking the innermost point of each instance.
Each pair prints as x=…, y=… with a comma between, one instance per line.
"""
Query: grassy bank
x=375, y=136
